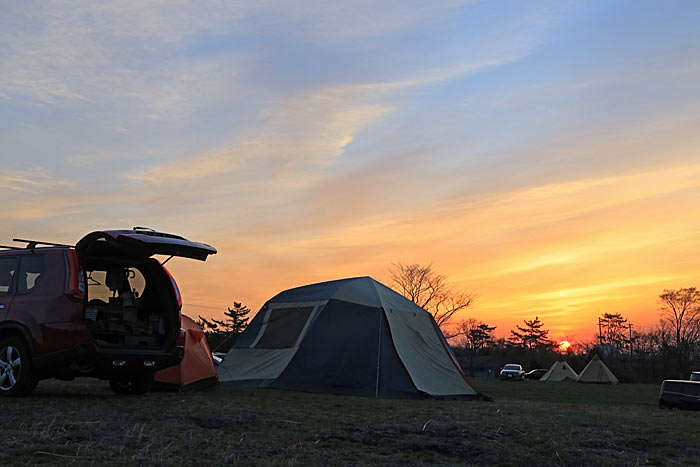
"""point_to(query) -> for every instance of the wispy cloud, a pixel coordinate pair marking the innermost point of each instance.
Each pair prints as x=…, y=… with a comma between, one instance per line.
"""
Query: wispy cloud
x=30, y=181
x=552, y=171
x=307, y=131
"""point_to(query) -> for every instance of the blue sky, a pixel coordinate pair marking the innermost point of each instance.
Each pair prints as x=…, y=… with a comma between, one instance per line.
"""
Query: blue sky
x=313, y=140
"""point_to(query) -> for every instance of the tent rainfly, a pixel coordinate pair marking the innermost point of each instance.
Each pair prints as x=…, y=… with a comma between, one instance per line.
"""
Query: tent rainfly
x=559, y=371
x=597, y=372
x=197, y=366
x=349, y=336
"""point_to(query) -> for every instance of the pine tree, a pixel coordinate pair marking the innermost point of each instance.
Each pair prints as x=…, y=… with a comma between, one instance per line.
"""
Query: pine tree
x=206, y=325
x=481, y=337
x=532, y=336
x=613, y=330
x=237, y=319
x=221, y=334
x=477, y=335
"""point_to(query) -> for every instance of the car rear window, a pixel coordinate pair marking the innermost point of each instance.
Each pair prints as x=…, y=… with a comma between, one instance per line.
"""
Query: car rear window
x=8, y=267
x=98, y=288
x=31, y=269
x=511, y=367
x=673, y=386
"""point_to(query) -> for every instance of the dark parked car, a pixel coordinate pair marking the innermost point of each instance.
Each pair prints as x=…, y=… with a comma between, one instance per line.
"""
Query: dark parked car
x=695, y=376
x=536, y=374
x=512, y=371
x=680, y=394
x=103, y=308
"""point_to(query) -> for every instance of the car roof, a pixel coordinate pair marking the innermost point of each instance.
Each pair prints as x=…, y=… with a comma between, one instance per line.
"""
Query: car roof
x=28, y=251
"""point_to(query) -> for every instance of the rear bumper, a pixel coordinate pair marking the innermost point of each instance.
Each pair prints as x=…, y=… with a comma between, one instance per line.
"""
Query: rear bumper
x=679, y=402
x=90, y=359
x=513, y=376
x=138, y=359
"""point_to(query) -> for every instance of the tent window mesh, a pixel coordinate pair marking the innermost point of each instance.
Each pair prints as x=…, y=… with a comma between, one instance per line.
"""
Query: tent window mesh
x=283, y=327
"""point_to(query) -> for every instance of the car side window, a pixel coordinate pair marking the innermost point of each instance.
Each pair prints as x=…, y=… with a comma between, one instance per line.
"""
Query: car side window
x=31, y=270
x=672, y=386
x=692, y=389
x=8, y=267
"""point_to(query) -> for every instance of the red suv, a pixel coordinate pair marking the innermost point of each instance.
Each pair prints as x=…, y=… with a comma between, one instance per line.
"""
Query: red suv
x=102, y=308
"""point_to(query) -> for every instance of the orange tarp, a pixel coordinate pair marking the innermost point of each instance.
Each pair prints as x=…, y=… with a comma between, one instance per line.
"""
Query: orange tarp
x=197, y=363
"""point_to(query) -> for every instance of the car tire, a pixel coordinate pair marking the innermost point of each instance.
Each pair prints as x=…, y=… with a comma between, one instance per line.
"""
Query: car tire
x=17, y=377
x=132, y=385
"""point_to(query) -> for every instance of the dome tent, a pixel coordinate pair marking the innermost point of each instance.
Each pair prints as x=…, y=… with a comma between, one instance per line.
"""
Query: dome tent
x=559, y=371
x=349, y=336
x=197, y=366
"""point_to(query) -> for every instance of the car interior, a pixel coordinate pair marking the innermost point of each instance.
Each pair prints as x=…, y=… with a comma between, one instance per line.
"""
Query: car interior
x=127, y=302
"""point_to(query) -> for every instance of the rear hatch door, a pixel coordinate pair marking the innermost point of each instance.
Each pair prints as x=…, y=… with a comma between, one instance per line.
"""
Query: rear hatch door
x=141, y=242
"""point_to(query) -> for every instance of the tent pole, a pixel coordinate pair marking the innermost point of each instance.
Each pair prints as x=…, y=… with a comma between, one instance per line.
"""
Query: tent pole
x=379, y=353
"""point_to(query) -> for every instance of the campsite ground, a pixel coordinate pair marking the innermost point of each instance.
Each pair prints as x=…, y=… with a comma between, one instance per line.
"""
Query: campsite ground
x=531, y=422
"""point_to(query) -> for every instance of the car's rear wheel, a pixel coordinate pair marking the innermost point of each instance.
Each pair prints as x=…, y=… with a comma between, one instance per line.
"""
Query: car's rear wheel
x=17, y=376
x=136, y=384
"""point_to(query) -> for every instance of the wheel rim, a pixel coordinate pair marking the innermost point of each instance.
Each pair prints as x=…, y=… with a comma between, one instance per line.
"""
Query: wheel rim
x=10, y=367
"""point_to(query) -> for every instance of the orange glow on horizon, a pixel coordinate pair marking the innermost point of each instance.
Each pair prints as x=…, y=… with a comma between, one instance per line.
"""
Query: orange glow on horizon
x=533, y=169
x=564, y=346
x=565, y=252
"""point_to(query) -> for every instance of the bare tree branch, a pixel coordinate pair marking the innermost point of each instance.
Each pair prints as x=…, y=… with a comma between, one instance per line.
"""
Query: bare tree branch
x=429, y=290
x=681, y=310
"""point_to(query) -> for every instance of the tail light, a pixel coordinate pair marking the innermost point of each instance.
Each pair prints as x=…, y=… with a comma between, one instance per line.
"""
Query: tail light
x=178, y=297
x=75, y=284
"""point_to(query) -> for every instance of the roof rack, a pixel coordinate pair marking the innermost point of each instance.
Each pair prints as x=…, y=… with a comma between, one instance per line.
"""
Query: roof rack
x=31, y=244
x=6, y=247
x=155, y=233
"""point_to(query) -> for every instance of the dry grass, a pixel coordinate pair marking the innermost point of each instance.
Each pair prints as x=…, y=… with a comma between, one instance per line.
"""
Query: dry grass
x=82, y=423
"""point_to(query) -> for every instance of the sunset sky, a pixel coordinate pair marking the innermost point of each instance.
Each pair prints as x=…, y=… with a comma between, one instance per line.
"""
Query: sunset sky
x=544, y=155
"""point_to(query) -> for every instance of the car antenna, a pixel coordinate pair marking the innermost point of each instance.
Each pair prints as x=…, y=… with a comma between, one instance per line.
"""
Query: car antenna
x=169, y=258
x=31, y=244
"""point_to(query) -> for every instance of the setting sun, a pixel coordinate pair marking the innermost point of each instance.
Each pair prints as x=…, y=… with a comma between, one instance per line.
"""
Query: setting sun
x=564, y=346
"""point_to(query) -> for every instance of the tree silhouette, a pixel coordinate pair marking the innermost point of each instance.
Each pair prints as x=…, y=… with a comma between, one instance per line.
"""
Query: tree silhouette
x=680, y=309
x=614, y=330
x=531, y=336
x=680, y=316
x=221, y=334
x=429, y=290
x=478, y=336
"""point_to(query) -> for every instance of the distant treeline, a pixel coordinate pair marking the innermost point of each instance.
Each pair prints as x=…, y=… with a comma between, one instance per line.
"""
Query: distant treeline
x=669, y=350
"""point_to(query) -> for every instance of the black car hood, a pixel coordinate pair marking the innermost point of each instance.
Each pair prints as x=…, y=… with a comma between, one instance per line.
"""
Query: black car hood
x=142, y=243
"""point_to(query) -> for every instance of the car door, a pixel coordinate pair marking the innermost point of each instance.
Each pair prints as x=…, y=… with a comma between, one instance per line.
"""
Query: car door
x=8, y=270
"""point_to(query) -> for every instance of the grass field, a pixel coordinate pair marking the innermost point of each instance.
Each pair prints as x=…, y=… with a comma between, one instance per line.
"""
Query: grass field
x=528, y=423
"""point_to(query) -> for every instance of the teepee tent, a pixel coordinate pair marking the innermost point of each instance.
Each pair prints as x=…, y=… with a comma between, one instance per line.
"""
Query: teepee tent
x=350, y=336
x=559, y=371
x=597, y=372
x=197, y=366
